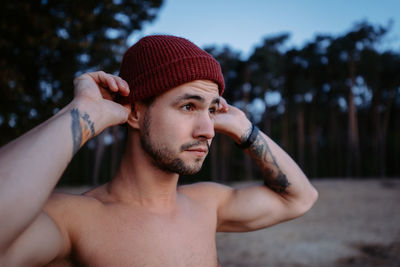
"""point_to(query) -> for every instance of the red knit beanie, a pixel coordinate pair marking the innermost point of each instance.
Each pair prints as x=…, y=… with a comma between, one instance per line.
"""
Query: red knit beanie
x=161, y=62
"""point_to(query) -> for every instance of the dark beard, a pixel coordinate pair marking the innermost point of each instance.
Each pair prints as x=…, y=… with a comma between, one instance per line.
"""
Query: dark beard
x=162, y=157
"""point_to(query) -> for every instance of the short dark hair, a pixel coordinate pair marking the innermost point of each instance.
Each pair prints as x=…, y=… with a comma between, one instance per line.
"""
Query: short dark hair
x=147, y=102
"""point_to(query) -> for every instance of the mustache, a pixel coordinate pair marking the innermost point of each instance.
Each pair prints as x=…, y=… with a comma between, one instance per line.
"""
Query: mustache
x=196, y=143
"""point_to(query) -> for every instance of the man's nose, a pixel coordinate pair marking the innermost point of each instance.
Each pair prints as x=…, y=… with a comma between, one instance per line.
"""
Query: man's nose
x=204, y=127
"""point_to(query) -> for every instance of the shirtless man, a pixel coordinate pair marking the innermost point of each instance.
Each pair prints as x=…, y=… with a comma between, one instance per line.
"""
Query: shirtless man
x=141, y=217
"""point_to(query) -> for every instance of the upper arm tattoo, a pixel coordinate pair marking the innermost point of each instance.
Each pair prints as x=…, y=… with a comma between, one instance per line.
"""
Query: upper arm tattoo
x=82, y=129
x=274, y=178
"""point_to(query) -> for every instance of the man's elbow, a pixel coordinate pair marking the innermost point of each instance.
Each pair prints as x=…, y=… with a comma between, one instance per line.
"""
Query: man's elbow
x=306, y=202
x=313, y=197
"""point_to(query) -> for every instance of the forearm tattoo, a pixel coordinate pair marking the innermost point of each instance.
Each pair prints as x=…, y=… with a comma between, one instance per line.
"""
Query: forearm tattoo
x=274, y=178
x=82, y=129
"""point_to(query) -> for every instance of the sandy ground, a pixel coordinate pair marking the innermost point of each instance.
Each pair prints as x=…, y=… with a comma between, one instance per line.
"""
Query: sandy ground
x=354, y=223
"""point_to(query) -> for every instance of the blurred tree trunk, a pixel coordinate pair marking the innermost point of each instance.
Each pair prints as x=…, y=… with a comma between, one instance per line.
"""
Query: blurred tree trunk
x=266, y=122
x=335, y=157
x=285, y=132
x=353, y=153
x=376, y=122
x=314, y=136
x=300, y=137
x=385, y=127
x=396, y=144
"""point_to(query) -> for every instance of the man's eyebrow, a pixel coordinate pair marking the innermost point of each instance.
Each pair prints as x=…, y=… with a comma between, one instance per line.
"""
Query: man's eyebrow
x=195, y=97
x=188, y=97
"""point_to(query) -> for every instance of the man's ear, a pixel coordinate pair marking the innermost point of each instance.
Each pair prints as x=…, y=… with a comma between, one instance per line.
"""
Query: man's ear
x=133, y=118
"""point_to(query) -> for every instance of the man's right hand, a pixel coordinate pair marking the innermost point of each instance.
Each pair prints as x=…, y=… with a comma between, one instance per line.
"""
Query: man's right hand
x=95, y=94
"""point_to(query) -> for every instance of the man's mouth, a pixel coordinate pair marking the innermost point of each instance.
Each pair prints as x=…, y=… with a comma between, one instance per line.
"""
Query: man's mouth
x=198, y=152
x=198, y=149
x=201, y=147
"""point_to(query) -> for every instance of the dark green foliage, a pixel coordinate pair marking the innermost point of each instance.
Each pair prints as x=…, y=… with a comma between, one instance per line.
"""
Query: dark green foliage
x=318, y=84
x=45, y=44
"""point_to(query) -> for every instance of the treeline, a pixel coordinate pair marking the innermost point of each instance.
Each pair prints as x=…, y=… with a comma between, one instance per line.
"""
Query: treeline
x=333, y=104
x=45, y=45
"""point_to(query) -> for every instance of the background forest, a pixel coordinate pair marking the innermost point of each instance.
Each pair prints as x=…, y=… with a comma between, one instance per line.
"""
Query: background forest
x=333, y=104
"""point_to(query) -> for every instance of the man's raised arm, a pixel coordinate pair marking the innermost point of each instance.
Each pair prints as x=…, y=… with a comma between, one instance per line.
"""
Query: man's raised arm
x=31, y=165
x=286, y=192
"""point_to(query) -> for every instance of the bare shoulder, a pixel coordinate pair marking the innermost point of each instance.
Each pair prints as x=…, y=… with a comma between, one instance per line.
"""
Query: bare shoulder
x=70, y=203
x=92, y=197
x=52, y=229
x=69, y=211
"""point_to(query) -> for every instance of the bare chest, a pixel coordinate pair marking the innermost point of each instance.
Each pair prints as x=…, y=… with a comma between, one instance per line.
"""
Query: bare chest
x=143, y=239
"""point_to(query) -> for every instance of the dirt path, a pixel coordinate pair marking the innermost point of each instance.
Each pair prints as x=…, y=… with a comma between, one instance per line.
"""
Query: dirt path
x=354, y=223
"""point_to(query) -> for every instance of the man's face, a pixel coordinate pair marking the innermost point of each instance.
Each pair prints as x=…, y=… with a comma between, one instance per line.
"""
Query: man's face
x=178, y=127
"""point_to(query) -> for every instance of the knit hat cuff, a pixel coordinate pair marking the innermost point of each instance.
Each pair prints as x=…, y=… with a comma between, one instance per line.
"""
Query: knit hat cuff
x=183, y=70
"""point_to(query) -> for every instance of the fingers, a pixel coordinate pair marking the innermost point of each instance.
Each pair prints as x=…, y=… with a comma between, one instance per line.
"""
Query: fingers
x=223, y=105
x=123, y=85
x=112, y=82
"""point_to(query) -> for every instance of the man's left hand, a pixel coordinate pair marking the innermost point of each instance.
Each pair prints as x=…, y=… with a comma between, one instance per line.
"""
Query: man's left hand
x=231, y=121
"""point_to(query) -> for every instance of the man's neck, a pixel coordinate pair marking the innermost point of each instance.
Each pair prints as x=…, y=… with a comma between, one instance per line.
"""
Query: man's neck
x=139, y=182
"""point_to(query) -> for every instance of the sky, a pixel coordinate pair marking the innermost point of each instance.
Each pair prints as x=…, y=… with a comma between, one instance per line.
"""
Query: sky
x=243, y=24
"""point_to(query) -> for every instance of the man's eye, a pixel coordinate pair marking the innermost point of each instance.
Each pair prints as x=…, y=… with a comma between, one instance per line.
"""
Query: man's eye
x=212, y=110
x=188, y=107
